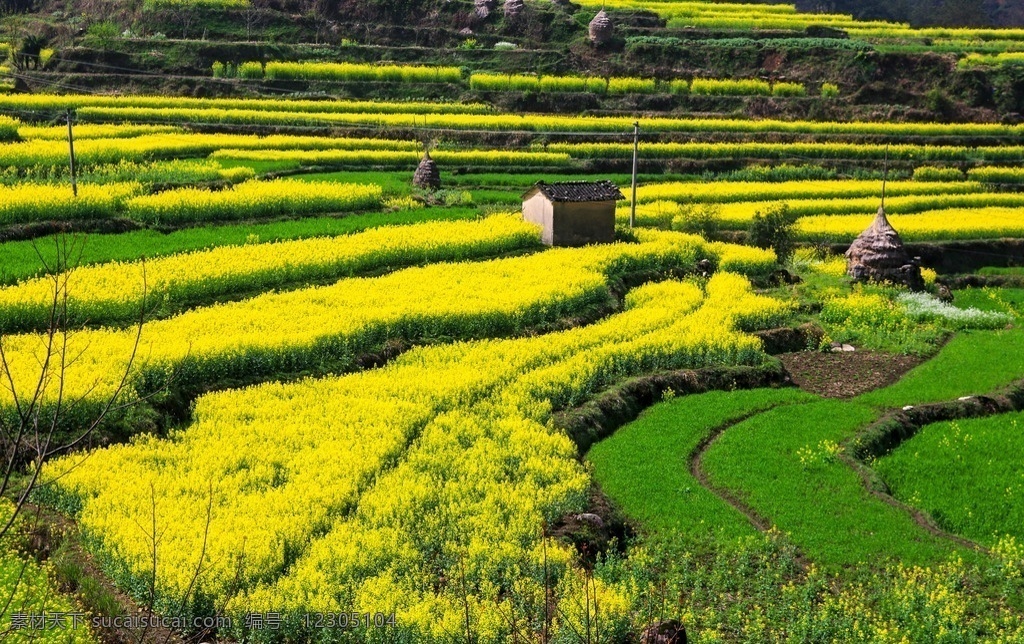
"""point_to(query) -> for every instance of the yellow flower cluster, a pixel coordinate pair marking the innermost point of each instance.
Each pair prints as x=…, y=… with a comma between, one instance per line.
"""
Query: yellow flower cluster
x=355, y=72
x=631, y=85
x=725, y=16
x=1009, y=552
x=593, y=84
x=747, y=260
x=93, y=131
x=742, y=213
x=785, y=151
x=28, y=202
x=28, y=588
x=834, y=265
x=972, y=61
x=523, y=82
x=176, y=172
x=401, y=158
x=862, y=314
x=9, y=128
x=750, y=191
x=254, y=200
x=917, y=603
x=541, y=122
x=858, y=308
x=979, y=223
x=654, y=214
x=287, y=332
x=996, y=174
x=112, y=293
x=724, y=87
x=28, y=154
x=53, y=102
x=374, y=491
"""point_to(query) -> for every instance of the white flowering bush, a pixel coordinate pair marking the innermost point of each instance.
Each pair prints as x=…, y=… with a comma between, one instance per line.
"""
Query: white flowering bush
x=923, y=306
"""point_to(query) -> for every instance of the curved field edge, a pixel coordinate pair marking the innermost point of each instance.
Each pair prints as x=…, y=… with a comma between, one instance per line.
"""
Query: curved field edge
x=645, y=467
x=300, y=332
x=123, y=293
x=772, y=592
x=20, y=260
x=784, y=464
x=551, y=371
x=983, y=361
x=961, y=468
x=758, y=457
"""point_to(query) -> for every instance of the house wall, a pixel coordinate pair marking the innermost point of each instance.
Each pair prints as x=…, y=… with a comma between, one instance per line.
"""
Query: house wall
x=579, y=224
x=539, y=210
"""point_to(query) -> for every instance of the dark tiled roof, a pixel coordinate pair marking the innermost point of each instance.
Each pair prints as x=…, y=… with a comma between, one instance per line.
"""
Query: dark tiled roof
x=578, y=191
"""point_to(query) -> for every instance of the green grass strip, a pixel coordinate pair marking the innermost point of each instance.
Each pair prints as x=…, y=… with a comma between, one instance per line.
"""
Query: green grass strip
x=1002, y=270
x=21, y=259
x=784, y=464
x=394, y=184
x=400, y=183
x=1002, y=300
x=972, y=363
x=966, y=474
x=645, y=466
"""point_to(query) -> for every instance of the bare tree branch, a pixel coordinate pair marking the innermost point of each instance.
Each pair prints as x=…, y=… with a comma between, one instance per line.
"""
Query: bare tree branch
x=36, y=417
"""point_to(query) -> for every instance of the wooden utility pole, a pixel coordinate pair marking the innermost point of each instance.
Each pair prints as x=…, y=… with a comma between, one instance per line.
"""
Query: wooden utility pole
x=71, y=154
x=636, y=163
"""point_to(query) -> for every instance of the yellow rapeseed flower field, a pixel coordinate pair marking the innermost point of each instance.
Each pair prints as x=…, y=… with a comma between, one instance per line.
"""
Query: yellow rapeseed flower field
x=786, y=151
x=388, y=116
x=28, y=588
x=148, y=147
x=401, y=157
x=933, y=225
x=254, y=200
x=53, y=102
x=741, y=214
x=747, y=191
x=328, y=326
x=30, y=202
x=112, y=293
x=8, y=128
x=354, y=72
x=297, y=479
x=93, y=131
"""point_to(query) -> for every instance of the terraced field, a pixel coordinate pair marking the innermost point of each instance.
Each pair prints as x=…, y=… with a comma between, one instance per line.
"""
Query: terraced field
x=445, y=431
x=732, y=464
x=254, y=365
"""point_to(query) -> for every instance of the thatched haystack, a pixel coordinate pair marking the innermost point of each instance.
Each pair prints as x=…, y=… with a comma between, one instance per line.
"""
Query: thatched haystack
x=514, y=8
x=428, y=175
x=878, y=255
x=601, y=28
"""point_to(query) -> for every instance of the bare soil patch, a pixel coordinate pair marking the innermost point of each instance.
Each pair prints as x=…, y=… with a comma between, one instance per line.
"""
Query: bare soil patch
x=845, y=374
